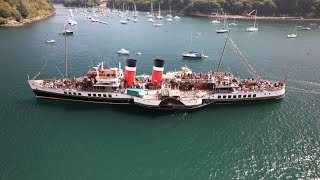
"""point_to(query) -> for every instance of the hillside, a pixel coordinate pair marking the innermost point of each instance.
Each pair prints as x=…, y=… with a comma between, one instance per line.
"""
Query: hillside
x=82, y=3
x=15, y=11
x=304, y=8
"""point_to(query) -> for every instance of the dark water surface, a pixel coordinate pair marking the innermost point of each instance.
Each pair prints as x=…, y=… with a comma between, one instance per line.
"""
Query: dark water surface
x=65, y=140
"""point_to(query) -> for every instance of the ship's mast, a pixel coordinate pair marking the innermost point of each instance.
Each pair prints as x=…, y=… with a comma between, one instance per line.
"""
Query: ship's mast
x=225, y=44
x=190, y=42
x=65, y=51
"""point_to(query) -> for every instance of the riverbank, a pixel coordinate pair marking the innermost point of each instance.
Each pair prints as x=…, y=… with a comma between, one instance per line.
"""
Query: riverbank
x=13, y=23
x=284, y=18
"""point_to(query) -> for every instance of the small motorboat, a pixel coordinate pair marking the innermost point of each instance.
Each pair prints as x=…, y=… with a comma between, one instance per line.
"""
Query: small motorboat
x=252, y=29
x=123, y=51
x=51, y=41
x=123, y=22
x=157, y=24
x=135, y=20
x=66, y=32
x=159, y=17
x=139, y=53
x=176, y=17
x=151, y=20
x=216, y=21
x=292, y=35
x=194, y=55
x=220, y=31
x=305, y=28
x=72, y=22
x=169, y=19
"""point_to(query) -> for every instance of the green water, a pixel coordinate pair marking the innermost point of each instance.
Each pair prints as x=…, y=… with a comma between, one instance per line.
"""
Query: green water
x=66, y=140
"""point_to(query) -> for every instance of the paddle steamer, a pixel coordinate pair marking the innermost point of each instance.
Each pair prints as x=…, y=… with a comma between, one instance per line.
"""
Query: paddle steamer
x=182, y=89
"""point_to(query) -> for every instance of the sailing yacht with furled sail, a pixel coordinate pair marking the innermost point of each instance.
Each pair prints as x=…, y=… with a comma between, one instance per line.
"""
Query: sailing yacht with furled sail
x=225, y=26
x=233, y=23
x=159, y=14
x=255, y=26
x=123, y=19
x=294, y=34
x=169, y=16
x=151, y=15
x=71, y=20
x=193, y=54
x=135, y=15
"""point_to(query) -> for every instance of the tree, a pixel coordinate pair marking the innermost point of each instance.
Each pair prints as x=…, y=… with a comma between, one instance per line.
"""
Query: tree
x=317, y=6
x=269, y=7
x=22, y=9
x=237, y=7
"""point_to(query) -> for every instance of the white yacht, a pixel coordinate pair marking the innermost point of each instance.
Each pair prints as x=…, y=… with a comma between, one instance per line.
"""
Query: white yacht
x=233, y=23
x=123, y=51
x=123, y=21
x=51, y=41
x=169, y=19
x=225, y=26
x=294, y=34
x=158, y=24
x=255, y=27
x=159, y=14
x=216, y=21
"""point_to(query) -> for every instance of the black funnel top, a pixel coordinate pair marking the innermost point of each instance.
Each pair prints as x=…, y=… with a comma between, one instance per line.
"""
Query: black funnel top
x=131, y=63
x=158, y=63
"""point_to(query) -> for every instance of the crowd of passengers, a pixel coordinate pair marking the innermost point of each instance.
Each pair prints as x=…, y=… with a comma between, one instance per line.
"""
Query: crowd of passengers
x=226, y=81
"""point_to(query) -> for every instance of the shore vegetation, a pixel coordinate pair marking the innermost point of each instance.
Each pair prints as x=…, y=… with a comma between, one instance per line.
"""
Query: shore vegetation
x=15, y=11
x=298, y=8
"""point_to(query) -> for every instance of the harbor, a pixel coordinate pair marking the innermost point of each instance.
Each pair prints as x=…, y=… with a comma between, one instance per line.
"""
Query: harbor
x=57, y=139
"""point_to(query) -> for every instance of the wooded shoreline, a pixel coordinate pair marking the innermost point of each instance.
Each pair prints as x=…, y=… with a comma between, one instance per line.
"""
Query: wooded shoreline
x=278, y=18
x=14, y=23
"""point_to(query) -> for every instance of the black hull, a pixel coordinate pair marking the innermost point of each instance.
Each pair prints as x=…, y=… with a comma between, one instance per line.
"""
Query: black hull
x=66, y=97
x=127, y=101
x=190, y=57
x=227, y=101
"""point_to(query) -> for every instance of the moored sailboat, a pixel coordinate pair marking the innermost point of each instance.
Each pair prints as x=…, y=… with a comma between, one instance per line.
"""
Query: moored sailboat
x=254, y=28
x=225, y=26
x=193, y=54
x=294, y=34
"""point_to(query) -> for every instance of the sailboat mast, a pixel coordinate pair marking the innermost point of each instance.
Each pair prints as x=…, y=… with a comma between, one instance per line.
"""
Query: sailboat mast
x=65, y=51
x=225, y=21
x=190, y=41
x=255, y=19
x=225, y=44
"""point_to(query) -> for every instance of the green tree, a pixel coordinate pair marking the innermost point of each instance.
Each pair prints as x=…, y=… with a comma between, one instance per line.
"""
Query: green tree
x=317, y=6
x=22, y=9
x=269, y=8
x=237, y=7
